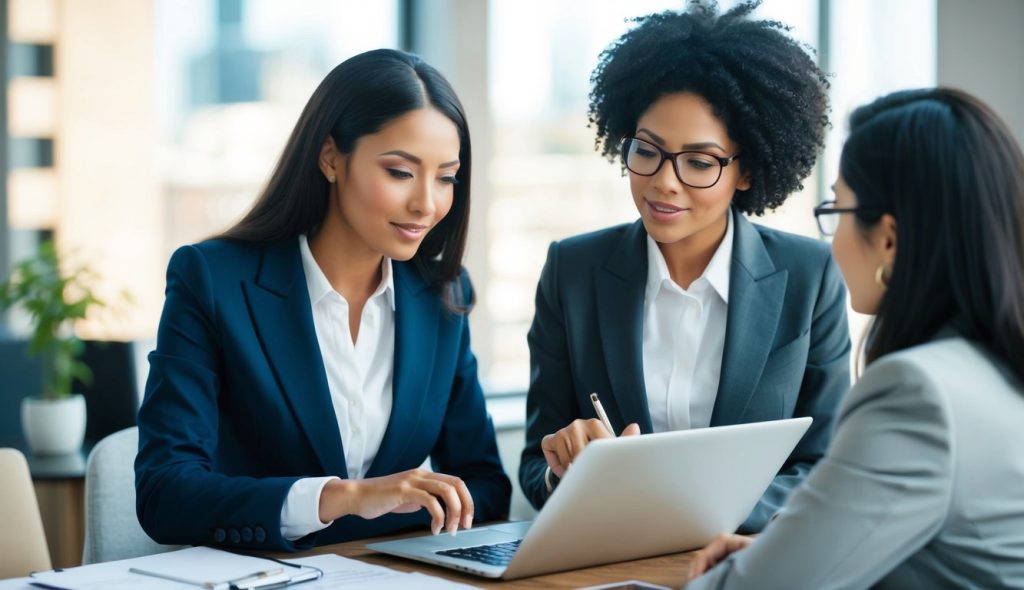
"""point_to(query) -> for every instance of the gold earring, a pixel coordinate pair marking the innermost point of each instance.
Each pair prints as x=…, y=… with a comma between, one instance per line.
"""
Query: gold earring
x=332, y=178
x=880, y=277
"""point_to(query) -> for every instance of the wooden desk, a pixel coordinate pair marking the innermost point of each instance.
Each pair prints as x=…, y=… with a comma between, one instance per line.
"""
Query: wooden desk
x=667, y=570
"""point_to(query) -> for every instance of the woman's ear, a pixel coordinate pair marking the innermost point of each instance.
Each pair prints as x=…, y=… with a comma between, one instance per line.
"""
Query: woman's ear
x=884, y=239
x=331, y=161
x=744, y=182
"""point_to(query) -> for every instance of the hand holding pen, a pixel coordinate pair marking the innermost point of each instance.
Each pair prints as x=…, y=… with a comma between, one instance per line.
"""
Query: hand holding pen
x=561, y=448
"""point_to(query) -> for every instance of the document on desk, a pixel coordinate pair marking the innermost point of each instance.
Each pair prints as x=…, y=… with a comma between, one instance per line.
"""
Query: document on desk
x=188, y=569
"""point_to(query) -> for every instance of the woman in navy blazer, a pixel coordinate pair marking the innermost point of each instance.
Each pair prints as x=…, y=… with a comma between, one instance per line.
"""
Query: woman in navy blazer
x=692, y=316
x=244, y=426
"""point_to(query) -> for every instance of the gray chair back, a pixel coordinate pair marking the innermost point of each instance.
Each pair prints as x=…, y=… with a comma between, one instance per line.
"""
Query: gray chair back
x=112, y=529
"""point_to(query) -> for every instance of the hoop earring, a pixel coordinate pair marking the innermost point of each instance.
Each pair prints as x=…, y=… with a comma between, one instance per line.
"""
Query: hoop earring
x=880, y=277
x=332, y=178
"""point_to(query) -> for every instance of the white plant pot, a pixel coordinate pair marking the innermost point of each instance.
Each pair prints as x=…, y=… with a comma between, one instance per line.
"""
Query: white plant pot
x=53, y=426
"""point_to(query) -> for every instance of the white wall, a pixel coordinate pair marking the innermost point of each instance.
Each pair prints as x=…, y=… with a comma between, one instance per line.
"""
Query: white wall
x=981, y=50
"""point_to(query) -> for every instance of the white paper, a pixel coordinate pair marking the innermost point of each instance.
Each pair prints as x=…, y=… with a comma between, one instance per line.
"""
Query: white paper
x=203, y=564
x=112, y=575
x=206, y=564
x=196, y=564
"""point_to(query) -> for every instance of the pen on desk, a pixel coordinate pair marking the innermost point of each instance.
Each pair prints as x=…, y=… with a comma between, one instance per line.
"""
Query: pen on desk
x=600, y=413
x=135, y=570
x=255, y=579
x=263, y=579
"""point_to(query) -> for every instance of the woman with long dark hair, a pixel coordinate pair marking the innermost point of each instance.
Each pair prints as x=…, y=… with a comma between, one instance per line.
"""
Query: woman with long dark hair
x=312, y=357
x=923, y=485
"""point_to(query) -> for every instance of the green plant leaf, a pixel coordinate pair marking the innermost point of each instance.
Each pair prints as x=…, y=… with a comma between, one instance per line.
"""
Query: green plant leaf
x=39, y=287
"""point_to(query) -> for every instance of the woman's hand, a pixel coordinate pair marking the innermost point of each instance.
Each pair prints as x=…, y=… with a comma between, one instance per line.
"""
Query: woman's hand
x=562, y=447
x=716, y=551
x=407, y=491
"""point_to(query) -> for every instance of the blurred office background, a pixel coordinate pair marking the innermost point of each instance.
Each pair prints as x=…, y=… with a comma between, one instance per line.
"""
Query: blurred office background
x=136, y=126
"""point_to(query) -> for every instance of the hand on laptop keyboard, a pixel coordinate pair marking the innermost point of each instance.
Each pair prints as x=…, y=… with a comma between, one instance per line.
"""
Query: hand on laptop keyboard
x=407, y=491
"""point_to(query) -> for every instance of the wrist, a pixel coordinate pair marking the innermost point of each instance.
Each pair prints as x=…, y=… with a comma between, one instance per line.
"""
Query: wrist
x=339, y=498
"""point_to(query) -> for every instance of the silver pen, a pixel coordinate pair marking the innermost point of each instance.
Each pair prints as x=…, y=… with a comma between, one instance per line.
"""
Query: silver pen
x=600, y=413
x=255, y=579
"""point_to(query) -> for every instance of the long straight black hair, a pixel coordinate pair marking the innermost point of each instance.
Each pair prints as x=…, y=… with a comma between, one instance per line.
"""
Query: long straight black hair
x=357, y=98
x=947, y=168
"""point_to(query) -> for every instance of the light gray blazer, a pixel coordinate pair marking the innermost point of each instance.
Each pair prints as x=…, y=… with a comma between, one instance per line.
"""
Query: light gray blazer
x=922, y=486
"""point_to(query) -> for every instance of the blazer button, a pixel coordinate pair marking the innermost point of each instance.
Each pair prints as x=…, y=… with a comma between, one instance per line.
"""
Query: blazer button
x=235, y=537
x=247, y=534
x=219, y=535
x=261, y=535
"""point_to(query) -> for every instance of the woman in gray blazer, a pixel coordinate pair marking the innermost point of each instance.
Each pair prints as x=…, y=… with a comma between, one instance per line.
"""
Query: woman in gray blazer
x=923, y=483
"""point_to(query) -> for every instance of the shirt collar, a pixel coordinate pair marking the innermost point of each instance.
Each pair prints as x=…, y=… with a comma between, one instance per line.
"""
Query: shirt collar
x=716, y=274
x=319, y=287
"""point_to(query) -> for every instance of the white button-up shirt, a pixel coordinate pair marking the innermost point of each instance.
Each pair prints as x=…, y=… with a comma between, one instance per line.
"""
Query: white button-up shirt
x=684, y=339
x=359, y=377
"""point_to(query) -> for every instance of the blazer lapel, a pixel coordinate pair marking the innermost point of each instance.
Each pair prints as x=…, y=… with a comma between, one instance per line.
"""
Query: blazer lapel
x=756, y=292
x=416, y=328
x=620, y=306
x=282, y=315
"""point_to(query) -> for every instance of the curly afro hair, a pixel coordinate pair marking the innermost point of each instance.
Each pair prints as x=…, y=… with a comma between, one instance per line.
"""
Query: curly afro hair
x=760, y=83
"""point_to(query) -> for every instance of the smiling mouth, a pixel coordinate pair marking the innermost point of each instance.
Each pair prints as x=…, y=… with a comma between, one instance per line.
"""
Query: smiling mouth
x=665, y=207
x=411, y=231
x=411, y=227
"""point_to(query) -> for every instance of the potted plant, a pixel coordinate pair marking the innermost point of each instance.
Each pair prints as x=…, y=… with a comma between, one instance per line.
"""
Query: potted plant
x=54, y=421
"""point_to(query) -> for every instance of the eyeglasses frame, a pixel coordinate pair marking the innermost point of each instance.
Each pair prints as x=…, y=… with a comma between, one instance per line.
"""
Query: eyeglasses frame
x=825, y=208
x=671, y=157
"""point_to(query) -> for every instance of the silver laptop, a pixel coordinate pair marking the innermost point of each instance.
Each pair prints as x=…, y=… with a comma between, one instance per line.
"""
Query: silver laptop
x=673, y=491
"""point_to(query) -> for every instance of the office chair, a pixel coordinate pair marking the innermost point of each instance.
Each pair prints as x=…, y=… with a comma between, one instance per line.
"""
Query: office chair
x=22, y=540
x=112, y=529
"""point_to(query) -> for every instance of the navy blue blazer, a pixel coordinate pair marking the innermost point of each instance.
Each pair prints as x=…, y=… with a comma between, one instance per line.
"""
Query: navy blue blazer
x=237, y=406
x=786, y=351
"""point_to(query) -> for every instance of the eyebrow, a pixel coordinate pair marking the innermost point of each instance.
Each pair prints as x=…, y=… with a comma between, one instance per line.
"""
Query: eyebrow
x=686, y=146
x=416, y=160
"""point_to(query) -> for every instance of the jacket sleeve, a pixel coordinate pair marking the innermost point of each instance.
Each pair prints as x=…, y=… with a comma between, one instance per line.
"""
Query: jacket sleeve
x=826, y=379
x=181, y=498
x=550, y=404
x=467, y=446
x=881, y=493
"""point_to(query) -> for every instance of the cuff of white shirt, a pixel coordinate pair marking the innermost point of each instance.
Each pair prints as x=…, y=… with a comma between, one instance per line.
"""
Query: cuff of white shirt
x=300, y=514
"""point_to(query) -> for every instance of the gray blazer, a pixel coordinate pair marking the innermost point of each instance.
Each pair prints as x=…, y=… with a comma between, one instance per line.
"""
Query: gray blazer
x=922, y=487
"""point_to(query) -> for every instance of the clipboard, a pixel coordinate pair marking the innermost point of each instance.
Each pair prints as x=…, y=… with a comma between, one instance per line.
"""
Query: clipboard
x=186, y=569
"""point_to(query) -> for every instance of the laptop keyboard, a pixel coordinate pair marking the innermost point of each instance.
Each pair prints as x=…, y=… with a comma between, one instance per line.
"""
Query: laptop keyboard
x=497, y=554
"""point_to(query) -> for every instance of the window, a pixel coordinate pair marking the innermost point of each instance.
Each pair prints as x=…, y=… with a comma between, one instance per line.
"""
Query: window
x=547, y=180
x=233, y=77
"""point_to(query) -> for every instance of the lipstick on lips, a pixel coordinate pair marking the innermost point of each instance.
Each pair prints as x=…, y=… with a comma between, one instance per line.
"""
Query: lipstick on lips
x=410, y=231
x=664, y=211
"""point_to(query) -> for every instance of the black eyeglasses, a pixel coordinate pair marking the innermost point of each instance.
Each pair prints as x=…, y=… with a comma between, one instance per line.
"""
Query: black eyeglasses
x=827, y=216
x=694, y=169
